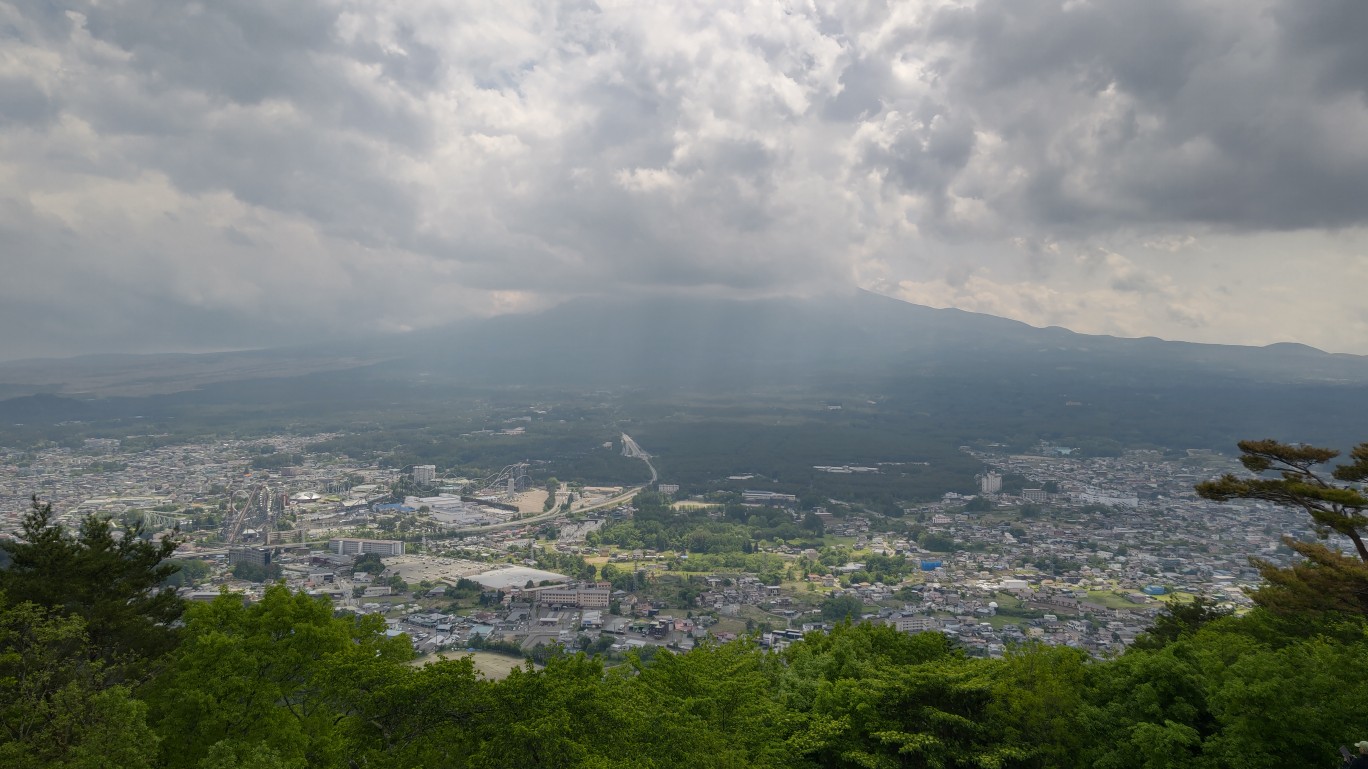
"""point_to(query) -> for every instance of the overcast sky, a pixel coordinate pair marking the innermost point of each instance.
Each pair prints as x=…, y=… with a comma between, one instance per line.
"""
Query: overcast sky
x=240, y=173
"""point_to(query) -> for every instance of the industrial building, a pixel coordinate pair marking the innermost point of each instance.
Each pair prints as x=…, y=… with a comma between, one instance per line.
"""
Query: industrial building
x=768, y=497
x=363, y=546
x=259, y=556
x=285, y=537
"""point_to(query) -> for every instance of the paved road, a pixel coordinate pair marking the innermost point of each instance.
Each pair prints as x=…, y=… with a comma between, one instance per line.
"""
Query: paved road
x=622, y=498
x=631, y=449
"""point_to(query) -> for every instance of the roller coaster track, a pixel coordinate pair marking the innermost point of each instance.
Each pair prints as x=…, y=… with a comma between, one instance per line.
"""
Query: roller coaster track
x=507, y=481
x=259, y=496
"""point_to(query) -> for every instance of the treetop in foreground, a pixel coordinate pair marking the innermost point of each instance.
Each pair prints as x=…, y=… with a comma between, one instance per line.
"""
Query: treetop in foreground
x=113, y=580
x=1326, y=580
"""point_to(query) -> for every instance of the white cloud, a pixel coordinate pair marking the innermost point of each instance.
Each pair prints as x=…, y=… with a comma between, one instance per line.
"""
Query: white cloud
x=202, y=175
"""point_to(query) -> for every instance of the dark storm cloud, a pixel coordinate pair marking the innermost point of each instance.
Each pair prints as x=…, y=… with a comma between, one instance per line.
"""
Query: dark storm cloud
x=1136, y=113
x=23, y=102
x=927, y=156
x=166, y=167
x=1330, y=37
x=244, y=51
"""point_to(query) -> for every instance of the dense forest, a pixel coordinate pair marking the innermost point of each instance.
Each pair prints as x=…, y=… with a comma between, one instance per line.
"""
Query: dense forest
x=99, y=667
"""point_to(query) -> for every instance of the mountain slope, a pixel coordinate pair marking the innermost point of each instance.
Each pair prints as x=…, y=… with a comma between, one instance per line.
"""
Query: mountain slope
x=952, y=372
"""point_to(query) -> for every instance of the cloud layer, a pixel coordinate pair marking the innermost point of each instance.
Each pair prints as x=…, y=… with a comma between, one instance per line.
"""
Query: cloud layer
x=206, y=175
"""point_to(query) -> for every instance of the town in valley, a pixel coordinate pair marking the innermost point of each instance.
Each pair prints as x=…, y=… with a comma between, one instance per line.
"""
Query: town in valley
x=1051, y=546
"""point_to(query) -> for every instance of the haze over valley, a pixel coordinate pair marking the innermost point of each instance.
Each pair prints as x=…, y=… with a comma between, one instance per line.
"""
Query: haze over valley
x=586, y=384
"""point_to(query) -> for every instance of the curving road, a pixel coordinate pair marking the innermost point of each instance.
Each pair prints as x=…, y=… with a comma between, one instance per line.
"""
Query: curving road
x=631, y=449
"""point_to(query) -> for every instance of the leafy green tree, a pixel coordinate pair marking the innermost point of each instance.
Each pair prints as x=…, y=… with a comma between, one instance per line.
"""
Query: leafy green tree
x=255, y=572
x=1180, y=619
x=839, y=608
x=814, y=524
x=1285, y=706
x=935, y=714
x=189, y=572
x=938, y=543
x=873, y=697
x=1256, y=690
x=113, y=583
x=979, y=504
x=1326, y=580
x=565, y=716
x=58, y=707
x=721, y=704
x=1144, y=710
x=409, y=716
x=370, y=563
x=1037, y=692
x=278, y=673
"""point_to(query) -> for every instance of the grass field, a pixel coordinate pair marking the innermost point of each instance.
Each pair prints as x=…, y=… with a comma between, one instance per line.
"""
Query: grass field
x=1177, y=597
x=1111, y=600
x=490, y=665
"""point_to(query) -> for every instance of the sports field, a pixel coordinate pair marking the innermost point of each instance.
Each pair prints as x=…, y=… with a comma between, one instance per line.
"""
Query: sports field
x=488, y=664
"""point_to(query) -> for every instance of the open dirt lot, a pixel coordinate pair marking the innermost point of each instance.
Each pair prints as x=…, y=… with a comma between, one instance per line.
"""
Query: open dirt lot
x=416, y=568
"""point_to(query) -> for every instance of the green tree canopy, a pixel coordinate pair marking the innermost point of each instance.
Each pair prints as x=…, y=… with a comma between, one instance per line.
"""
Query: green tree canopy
x=838, y=608
x=1180, y=619
x=1326, y=580
x=282, y=672
x=113, y=580
x=58, y=707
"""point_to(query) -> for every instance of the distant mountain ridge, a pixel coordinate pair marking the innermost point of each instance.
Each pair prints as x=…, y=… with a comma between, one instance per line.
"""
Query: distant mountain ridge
x=689, y=342
x=958, y=365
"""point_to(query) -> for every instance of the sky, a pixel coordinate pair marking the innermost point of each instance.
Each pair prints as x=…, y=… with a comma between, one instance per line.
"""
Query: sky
x=217, y=175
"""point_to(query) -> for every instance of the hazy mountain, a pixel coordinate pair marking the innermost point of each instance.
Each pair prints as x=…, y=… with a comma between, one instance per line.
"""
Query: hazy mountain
x=89, y=376
x=961, y=368
x=710, y=343
x=701, y=343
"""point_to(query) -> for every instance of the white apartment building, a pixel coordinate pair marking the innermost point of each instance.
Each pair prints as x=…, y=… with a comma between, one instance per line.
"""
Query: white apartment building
x=363, y=546
x=580, y=597
x=914, y=624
